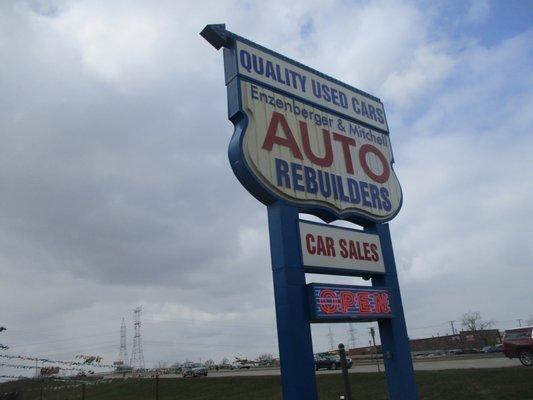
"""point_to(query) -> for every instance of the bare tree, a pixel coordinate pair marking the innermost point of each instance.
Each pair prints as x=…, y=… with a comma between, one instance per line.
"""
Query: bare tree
x=265, y=359
x=472, y=321
x=3, y=347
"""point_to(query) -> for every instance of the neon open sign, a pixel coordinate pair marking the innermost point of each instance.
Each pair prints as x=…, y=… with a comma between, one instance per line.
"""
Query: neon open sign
x=348, y=303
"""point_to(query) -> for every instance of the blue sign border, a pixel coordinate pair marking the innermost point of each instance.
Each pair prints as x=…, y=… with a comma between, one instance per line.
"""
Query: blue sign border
x=219, y=37
x=315, y=318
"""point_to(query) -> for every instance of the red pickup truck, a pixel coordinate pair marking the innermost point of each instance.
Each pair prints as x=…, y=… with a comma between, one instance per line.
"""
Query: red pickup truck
x=518, y=342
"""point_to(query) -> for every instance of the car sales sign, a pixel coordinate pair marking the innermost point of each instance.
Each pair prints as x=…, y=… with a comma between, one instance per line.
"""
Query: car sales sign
x=335, y=250
x=308, y=139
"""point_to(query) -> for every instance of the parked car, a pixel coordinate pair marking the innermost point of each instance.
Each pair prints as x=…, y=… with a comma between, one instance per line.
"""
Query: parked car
x=492, y=349
x=455, y=352
x=194, y=370
x=330, y=362
x=518, y=342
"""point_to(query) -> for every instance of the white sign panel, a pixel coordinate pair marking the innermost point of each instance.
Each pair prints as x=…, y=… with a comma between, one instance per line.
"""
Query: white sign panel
x=326, y=246
x=273, y=71
x=307, y=155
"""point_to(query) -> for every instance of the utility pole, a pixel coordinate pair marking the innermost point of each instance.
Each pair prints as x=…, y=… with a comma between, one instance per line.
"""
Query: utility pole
x=373, y=334
x=331, y=340
x=519, y=322
x=453, y=327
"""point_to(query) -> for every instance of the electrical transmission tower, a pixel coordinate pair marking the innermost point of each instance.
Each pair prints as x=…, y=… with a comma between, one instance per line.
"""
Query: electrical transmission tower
x=123, y=353
x=353, y=339
x=137, y=356
x=331, y=340
x=453, y=327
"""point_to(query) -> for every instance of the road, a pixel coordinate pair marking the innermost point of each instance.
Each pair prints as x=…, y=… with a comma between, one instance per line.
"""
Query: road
x=426, y=364
x=419, y=365
x=362, y=366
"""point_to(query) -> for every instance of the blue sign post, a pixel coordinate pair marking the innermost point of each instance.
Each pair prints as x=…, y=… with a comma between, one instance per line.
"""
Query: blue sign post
x=292, y=310
x=393, y=331
x=307, y=143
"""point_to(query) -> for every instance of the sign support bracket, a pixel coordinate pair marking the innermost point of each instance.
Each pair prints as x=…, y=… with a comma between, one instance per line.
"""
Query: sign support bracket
x=292, y=309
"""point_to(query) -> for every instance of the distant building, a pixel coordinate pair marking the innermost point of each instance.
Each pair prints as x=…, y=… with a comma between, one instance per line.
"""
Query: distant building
x=465, y=340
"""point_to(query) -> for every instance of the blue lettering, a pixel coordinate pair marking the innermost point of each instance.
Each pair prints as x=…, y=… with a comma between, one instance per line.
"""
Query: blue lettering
x=387, y=206
x=282, y=173
x=379, y=112
x=326, y=96
x=278, y=74
x=374, y=194
x=316, y=88
x=364, y=111
x=258, y=64
x=365, y=194
x=342, y=196
x=270, y=71
x=344, y=100
x=297, y=177
x=353, y=191
x=355, y=105
x=321, y=180
x=246, y=60
x=311, y=186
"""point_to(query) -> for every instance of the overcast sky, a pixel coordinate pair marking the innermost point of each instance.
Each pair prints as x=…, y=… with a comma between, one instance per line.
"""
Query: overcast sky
x=116, y=190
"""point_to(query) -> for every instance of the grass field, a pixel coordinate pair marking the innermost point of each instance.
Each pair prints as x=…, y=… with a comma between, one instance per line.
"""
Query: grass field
x=486, y=384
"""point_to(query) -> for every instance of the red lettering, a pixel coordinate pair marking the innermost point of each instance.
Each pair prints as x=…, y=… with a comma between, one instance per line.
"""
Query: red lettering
x=346, y=143
x=374, y=249
x=353, y=251
x=324, y=161
x=347, y=300
x=364, y=302
x=320, y=246
x=309, y=242
x=328, y=301
x=359, y=252
x=330, y=246
x=368, y=148
x=344, y=250
x=287, y=141
x=381, y=300
x=366, y=248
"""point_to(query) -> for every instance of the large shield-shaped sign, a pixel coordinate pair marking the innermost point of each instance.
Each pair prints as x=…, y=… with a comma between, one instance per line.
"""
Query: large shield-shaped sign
x=306, y=138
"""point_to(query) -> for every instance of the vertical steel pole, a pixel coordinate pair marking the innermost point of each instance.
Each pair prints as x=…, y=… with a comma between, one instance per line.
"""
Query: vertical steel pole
x=292, y=305
x=83, y=391
x=373, y=334
x=393, y=332
x=345, y=376
x=156, y=386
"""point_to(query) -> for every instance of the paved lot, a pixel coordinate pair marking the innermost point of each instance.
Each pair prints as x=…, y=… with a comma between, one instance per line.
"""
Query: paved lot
x=425, y=365
x=361, y=366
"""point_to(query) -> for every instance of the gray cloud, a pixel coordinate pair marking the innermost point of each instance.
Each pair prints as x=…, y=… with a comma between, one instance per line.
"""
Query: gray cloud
x=116, y=190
